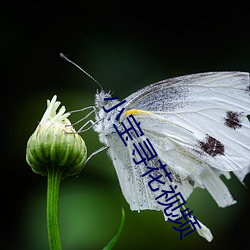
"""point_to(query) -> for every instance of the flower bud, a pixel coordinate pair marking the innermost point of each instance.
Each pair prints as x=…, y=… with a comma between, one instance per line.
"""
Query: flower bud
x=55, y=144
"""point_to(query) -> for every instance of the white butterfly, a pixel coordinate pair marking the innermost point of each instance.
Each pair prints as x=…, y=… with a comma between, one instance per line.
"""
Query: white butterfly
x=199, y=128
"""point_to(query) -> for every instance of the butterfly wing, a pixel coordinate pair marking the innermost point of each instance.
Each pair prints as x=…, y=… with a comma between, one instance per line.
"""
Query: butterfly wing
x=134, y=187
x=135, y=183
x=199, y=128
x=213, y=107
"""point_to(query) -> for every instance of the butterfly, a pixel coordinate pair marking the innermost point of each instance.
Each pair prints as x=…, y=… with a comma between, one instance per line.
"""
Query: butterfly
x=198, y=126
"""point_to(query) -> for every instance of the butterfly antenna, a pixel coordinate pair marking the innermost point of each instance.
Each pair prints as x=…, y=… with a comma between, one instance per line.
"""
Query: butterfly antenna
x=86, y=73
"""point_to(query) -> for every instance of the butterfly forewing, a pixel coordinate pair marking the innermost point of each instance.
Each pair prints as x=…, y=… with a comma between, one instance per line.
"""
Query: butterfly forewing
x=205, y=114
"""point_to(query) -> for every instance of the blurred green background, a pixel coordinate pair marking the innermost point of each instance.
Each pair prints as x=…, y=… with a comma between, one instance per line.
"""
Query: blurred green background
x=125, y=47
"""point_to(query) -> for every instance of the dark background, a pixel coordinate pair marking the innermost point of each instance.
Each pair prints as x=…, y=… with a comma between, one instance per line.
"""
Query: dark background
x=125, y=45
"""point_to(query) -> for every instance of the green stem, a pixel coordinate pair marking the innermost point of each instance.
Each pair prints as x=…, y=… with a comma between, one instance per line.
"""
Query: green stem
x=54, y=177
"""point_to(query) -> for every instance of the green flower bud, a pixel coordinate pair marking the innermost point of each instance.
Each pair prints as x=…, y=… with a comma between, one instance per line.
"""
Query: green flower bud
x=55, y=144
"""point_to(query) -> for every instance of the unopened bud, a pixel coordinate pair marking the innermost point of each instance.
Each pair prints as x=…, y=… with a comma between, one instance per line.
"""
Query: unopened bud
x=55, y=143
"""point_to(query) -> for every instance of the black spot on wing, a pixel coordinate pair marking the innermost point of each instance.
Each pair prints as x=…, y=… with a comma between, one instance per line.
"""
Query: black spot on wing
x=248, y=89
x=191, y=181
x=212, y=146
x=233, y=119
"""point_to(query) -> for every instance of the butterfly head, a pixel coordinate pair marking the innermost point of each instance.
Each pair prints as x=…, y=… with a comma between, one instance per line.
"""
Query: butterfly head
x=100, y=97
x=105, y=115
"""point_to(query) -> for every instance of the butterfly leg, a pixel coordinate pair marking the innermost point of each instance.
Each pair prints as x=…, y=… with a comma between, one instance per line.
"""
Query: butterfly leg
x=86, y=116
x=81, y=129
x=92, y=154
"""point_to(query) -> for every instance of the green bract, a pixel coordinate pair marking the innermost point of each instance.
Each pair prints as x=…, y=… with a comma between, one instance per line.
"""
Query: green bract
x=55, y=143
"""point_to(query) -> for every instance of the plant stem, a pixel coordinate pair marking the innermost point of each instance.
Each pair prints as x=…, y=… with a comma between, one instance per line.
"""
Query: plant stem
x=54, y=177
